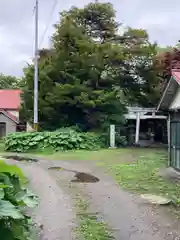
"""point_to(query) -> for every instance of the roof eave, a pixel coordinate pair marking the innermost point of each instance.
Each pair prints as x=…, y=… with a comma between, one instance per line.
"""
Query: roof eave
x=173, y=80
x=7, y=115
x=164, y=93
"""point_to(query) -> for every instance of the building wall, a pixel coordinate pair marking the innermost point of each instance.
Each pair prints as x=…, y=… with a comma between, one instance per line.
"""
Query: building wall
x=10, y=125
x=174, y=139
x=176, y=101
x=15, y=113
x=29, y=128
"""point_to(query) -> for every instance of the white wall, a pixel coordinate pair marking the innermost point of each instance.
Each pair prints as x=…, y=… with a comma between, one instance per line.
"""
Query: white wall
x=15, y=113
x=176, y=102
x=29, y=128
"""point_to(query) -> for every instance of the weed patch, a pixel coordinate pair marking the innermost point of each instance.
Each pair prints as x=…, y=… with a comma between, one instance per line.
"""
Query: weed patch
x=143, y=176
x=90, y=228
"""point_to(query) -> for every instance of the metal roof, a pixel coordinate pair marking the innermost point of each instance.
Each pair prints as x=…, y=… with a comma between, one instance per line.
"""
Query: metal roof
x=10, y=99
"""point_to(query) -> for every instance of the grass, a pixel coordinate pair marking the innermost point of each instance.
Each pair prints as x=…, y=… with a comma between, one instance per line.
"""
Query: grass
x=1, y=146
x=103, y=155
x=90, y=228
x=143, y=176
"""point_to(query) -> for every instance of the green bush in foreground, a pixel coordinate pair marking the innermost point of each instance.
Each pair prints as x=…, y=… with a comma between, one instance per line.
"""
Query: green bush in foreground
x=60, y=140
x=14, y=223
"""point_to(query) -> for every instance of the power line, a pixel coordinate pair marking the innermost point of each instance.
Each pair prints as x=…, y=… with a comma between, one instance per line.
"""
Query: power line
x=48, y=22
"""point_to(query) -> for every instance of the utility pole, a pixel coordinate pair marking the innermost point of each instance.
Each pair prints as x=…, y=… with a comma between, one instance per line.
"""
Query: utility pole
x=36, y=57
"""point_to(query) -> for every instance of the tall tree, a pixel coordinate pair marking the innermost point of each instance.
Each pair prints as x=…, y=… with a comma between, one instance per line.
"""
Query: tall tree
x=166, y=61
x=76, y=86
x=97, y=19
x=91, y=72
x=139, y=77
x=136, y=72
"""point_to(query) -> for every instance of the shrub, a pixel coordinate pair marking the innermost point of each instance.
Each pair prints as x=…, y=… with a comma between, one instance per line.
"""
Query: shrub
x=120, y=140
x=14, y=223
x=62, y=139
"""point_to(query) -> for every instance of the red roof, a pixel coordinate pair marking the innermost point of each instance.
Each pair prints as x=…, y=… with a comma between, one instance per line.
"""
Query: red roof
x=176, y=75
x=9, y=115
x=10, y=99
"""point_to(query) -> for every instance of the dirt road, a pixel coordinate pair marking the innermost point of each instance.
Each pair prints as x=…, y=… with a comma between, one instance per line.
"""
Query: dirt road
x=128, y=217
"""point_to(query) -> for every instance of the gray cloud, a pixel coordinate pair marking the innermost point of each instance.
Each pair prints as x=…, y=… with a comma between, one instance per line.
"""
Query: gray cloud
x=159, y=17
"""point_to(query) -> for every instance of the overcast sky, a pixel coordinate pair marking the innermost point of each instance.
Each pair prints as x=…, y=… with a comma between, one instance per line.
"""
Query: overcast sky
x=161, y=19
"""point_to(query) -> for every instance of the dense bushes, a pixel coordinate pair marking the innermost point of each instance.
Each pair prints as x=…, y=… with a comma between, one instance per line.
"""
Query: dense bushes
x=14, y=223
x=120, y=140
x=62, y=139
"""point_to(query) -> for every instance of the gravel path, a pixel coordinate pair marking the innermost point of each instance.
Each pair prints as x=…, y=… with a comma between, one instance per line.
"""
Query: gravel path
x=55, y=212
x=126, y=214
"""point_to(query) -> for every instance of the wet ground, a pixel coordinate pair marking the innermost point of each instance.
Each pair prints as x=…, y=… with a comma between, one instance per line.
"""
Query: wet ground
x=20, y=158
x=80, y=177
x=128, y=217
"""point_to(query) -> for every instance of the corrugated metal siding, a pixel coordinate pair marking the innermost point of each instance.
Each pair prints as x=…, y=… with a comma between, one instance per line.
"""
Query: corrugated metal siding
x=175, y=144
x=175, y=116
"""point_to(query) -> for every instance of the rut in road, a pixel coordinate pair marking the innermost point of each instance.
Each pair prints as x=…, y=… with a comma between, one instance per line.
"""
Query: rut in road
x=127, y=215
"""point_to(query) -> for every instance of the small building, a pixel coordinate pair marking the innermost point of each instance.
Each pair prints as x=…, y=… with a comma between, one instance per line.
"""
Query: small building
x=148, y=126
x=10, y=101
x=170, y=102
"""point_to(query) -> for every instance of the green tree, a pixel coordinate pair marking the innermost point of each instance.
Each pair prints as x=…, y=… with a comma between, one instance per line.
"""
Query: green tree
x=166, y=60
x=75, y=83
x=134, y=69
x=139, y=75
x=97, y=20
x=91, y=72
x=9, y=82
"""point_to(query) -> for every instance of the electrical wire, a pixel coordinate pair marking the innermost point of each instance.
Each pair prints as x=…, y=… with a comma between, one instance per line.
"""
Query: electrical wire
x=48, y=22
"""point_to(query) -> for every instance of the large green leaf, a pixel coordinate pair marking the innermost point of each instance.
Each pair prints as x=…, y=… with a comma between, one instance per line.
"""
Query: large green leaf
x=6, y=232
x=62, y=140
x=29, y=201
x=7, y=209
x=11, y=170
x=26, y=198
x=20, y=231
x=1, y=193
x=3, y=186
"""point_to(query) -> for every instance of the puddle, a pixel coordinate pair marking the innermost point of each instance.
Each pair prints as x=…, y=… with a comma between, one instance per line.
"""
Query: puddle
x=20, y=158
x=79, y=176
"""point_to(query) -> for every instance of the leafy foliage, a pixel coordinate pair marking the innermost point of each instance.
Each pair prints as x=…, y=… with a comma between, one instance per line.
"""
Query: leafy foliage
x=121, y=140
x=139, y=74
x=91, y=72
x=9, y=82
x=14, y=223
x=63, y=139
x=166, y=60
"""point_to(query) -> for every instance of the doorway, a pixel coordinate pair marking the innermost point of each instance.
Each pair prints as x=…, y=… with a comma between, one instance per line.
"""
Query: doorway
x=2, y=129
